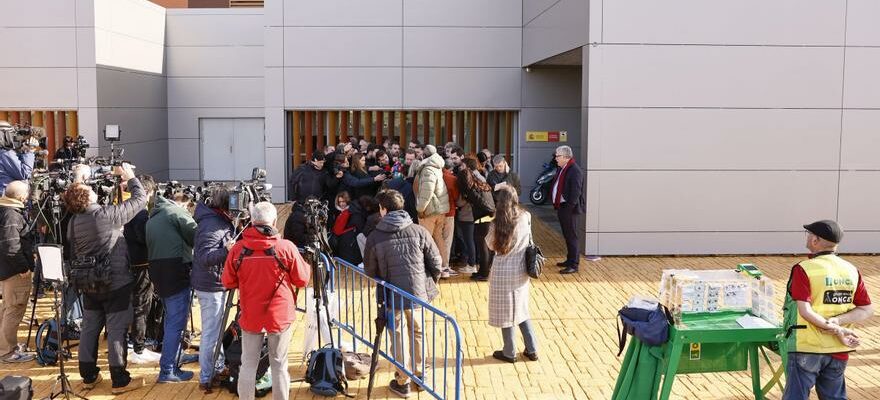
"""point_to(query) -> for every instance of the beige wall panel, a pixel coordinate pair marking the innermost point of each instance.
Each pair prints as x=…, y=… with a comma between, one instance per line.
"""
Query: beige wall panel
x=463, y=13
x=215, y=92
x=462, y=47
x=862, y=80
x=214, y=61
x=861, y=23
x=859, y=191
x=709, y=243
x=343, y=13
x=342, y=88
x=335, y=47
x=861, y=140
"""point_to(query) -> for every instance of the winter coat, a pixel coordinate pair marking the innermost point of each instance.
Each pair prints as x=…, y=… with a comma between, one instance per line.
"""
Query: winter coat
x=359, y=184
x=343, y=236
x=15, y=167
x=266, y=291
x=403, y=254
x=405, y=187
x=295, y=227
x=494, y=177
x=452, y=188
x=307, y=182
x=97, y=232
x=135, y=232
x=372, y=221
x=508, y=280
x=209, y=248
x=16, y=246
x=473, y=202
x=432, y=198
x=170, y=234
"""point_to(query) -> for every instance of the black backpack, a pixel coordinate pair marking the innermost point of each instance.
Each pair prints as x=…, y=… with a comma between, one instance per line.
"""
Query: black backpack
x=156, y=320
x=326, y=372
x=232, y=351
x=46, y=342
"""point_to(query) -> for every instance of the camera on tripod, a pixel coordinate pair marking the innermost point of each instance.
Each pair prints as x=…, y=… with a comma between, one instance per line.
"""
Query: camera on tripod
x=248, y=193
x=17, y=137
x=317, y=213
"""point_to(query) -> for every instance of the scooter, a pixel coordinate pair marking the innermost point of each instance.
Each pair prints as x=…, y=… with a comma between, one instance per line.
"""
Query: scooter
x=541, y=191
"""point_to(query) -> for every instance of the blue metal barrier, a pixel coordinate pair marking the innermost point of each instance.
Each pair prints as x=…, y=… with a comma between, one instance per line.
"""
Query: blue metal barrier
x=431, y=356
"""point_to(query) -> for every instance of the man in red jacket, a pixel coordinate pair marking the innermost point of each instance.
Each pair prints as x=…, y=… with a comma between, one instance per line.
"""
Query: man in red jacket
x=265, y=269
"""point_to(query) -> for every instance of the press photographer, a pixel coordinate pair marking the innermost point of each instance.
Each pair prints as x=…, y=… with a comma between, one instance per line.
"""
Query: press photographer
x=99, y=268
x=17, y=156
x=170, y=233
x=16, y=265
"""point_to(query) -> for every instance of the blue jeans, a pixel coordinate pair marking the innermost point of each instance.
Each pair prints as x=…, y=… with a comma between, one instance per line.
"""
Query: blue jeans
x=528, y=337
x=467, y=235
x=176, y=312
x=211, y=305
x=805, y=370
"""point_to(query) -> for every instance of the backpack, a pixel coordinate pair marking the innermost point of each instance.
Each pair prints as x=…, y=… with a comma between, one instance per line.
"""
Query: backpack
x=325, y=372
x=649, y=326
x=16, y=388
x=232, y=350
x=46, y=342
x=482, y=203
x=156, y=320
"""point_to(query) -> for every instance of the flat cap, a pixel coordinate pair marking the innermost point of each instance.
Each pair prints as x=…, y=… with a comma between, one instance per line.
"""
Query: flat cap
x=826, y=229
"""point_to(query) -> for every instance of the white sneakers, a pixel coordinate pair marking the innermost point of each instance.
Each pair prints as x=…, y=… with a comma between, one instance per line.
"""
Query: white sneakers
x=470, y=269
x=146, y=357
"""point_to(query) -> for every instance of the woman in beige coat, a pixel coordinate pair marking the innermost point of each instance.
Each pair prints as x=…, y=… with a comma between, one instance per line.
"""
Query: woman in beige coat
x=508, y=281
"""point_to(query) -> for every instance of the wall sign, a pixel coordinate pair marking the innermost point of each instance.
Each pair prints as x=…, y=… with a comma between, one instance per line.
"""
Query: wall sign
x=546, y=136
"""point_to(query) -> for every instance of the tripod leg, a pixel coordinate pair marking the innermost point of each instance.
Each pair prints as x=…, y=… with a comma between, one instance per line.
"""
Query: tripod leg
x=33, y=319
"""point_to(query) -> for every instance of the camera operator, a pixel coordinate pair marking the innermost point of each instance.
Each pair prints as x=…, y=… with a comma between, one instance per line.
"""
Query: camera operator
x=96, y=231
x=311, y=179
x=16, y=264
x=265, y=269
x=170, y=234
x=15, y=166
x=135, y=232
x=213, y=239
x=296, y=228
x=66, y=152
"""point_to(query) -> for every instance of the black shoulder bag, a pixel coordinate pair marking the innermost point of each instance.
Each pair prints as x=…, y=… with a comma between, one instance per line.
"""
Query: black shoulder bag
x=534, y=257
x=88, y=275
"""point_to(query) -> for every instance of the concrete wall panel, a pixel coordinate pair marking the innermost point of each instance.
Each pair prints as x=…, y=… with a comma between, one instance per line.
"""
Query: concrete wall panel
x=467, y=88
x=239, y=27
x=19, y=93
x=343, y=13
x=45, y=47
x=861, y=23
x=859, y=191
x=273, y=39
x=33, y=13
x=710, y=243
x=342, y=87
x=711, y=201
x=273, y=83
x=184, y=154
x=333, y=47
x=861, y=131
x=710, y=76
x=556, y=87
x=693, y=139
x=560, y=28
x=750, y=22
x=184, y=122
x=138, y=125
x=534, y=8
x=215, y=61
x=462, y=47
x=862, y=82
x=120, y=88
x=215, y=92
x=463, y=13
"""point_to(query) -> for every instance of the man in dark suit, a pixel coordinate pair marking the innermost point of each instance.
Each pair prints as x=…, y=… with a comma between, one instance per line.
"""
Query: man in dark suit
x=567, y=194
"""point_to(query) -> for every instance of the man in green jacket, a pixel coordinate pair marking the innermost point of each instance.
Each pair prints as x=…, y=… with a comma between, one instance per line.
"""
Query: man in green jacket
x=170, y=233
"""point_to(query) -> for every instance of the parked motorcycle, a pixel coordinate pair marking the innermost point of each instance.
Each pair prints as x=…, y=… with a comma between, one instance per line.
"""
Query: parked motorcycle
x=543, y=183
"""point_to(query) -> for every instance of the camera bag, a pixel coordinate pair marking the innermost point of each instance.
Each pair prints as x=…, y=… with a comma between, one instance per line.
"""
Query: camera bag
x=14, y=387
x=89, y=275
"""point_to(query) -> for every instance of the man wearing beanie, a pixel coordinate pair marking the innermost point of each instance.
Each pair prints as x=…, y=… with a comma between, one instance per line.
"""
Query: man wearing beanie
x=825, y=297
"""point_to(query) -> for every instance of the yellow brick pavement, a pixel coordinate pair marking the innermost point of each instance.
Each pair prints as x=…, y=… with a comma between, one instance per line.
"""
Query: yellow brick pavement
x=574, y=319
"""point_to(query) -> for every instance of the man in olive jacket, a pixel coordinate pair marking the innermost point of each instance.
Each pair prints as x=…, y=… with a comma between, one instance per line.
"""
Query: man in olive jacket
x=432, y=196
x=403, y=254
x=170, y=233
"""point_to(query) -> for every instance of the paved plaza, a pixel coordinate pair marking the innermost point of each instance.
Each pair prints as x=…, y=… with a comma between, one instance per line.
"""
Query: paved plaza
x=574, y=317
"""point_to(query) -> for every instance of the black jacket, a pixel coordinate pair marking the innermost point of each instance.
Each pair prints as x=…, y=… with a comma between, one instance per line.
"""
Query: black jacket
x=295, y=227
x=573, y=188
x=97, y=232
x=135, y=232
x=359, y=184
x=307, y=181
x=16, y=246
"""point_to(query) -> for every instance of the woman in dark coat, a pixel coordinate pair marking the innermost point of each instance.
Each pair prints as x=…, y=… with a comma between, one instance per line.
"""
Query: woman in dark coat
x=357, y=181
x=477, y=194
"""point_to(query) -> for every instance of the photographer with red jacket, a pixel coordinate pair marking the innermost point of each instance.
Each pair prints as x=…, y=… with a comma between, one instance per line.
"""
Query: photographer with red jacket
x=265, y=269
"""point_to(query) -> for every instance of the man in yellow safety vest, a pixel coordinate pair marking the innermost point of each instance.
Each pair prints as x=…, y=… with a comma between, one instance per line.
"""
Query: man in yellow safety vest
x=825, y=296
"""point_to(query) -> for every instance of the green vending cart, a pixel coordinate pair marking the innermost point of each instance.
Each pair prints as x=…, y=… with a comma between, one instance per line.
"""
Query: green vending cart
x=724, y=321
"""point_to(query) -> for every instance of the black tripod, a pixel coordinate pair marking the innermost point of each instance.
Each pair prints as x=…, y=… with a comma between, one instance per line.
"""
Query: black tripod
x=55, y=224
x=62, y=380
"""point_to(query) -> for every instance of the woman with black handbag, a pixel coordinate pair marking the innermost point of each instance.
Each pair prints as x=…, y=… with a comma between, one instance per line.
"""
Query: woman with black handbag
x=95, y=232
x=509, y=236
